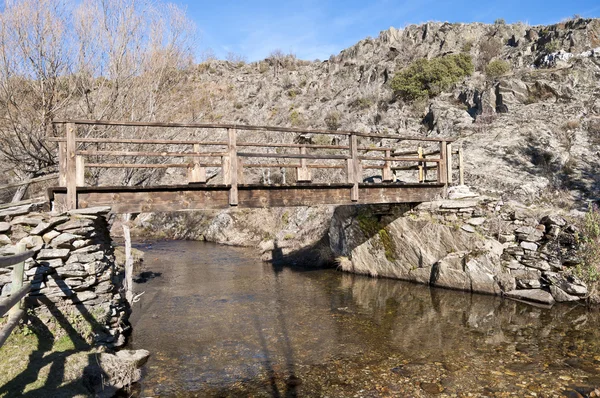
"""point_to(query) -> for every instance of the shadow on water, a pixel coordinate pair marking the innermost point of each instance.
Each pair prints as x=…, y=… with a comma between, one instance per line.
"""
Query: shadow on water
x=226, y=324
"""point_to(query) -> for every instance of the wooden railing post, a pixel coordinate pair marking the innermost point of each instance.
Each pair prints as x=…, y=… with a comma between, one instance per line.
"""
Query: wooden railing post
x=71, y=176
x=420, y=166
x=302, y=172
x=62, y=164
x=80, y=171
x=449, y=163
x=354, y=172
x=386, y=174
x=461, y=175
x=233, y=167
x=196, y=173
x=441, y=166
x=17, y=279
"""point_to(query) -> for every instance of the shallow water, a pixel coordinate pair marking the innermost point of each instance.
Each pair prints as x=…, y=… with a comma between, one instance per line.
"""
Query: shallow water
x=219, y=322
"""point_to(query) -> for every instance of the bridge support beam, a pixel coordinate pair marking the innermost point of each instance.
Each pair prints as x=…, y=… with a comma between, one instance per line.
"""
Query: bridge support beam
x=354, y=171
x=71, y=174
x=303, y=172
x=233, y=167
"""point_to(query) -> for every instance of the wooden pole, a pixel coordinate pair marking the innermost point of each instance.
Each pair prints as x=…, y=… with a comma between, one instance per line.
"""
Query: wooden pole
x=302, y=172
x=461, y=166
x=355, y=163
x=17, y=279
x=449, y=163
x=80, y=171
x=386, y=174
x=71, y=178
x=420, y=154
x=233, y=167
x=441, y=167
x=128, y=259
x=62, y=164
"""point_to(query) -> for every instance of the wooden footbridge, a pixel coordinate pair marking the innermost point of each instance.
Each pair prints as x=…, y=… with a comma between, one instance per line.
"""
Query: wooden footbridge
x=316, y=166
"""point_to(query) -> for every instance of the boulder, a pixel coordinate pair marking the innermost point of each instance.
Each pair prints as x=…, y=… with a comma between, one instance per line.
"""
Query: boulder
x=48, y=236
x=5, y=227
x=533, y=295
x=64, y=240
x=529, y=234
x=568, y=283
x=553, y=220
x=562, y=296
x=529, y=245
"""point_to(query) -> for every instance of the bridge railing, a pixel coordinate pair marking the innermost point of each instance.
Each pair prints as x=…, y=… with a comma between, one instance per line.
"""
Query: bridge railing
x=12, y=303
x=235, y=153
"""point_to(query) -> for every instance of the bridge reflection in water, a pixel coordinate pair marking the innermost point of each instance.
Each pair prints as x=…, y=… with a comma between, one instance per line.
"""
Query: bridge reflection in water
x=226, y=324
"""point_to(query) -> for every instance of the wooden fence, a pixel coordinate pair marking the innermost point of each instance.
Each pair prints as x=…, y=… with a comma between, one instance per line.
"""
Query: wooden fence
x=13, y=303
x=236, y=155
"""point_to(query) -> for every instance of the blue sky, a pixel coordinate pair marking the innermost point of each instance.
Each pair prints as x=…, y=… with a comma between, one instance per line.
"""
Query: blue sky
x=314, y=29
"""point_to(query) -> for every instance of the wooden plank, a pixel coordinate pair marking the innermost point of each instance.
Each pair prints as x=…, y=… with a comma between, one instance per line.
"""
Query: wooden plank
x=233, y=166
x=22, y=202
x=31, y=181
x=151, y=154
x=248, y=128
x=141, y=141
x=461, y=166
x=7, y=261
x=147, y=165
x=396, y=159
x=290, y=156
x=71, y=178
x=271, y=145
x=13, y=321
x=9, y=302
x=16, y=279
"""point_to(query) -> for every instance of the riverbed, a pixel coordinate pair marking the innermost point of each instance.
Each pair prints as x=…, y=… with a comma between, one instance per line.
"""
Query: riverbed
x=220, y=322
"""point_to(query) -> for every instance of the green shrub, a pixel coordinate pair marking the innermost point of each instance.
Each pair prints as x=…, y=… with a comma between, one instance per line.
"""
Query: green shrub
x=489, y=48
x=500, y=21
x=497, y=68
x=429, y=77
x=332, y=120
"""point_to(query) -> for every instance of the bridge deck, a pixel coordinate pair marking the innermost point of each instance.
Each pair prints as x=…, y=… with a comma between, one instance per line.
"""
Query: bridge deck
x=202, y=197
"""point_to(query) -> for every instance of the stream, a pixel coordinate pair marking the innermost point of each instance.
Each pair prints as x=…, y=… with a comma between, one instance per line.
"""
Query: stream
x=221, y=323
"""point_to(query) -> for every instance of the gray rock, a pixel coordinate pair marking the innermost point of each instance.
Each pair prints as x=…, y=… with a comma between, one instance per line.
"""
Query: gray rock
x=82, y=297
x=458, y=204
x=32, y=241
x=468, y=228
x=553, y=220
x=506, y=238
x=16, y=211
x=41, y=270
x=85, y=257
x=40, y=228
x=29, y=221
x=562, y=296
x=529, y=283
x=78, y=244
x=64, y=240
x=88, y=249
x=48, y=236
x=567, y=283
x=477, y=221
x=4, y=227
x=5, y=240
x=533, y=295
x=48, y=254
x=542, y=265
x=529, y=234
x=529, y=246
x=54, y=263
x=74, y=224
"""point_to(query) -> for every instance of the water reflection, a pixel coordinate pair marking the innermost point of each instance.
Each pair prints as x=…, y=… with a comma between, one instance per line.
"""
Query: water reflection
x=221, y=323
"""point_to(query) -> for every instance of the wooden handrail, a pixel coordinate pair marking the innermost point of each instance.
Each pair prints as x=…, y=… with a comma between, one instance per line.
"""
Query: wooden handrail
x=247, y=127
x=12, y=303
x=31, y=181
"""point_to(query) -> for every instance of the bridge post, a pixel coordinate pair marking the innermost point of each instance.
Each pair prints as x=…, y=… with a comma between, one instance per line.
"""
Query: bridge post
x=449, y=163
x=71, y=175
x=442, y=175
x=354, y=172
x=421, y=164
x=79, y=171
x=302, y=172
x=196, y=173
x=386, y=174
x=62, y=164
x=233, y=167
x=461, y=172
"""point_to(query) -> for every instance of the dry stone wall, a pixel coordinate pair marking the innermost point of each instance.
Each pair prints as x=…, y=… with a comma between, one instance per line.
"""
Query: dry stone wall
x=73, y=269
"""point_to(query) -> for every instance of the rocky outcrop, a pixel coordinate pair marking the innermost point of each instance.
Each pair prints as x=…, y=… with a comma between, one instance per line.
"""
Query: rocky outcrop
x=472, y=243
x=72, y=270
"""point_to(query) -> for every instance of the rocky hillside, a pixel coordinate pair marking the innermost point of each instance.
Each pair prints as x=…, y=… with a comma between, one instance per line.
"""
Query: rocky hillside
x=531, y=131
